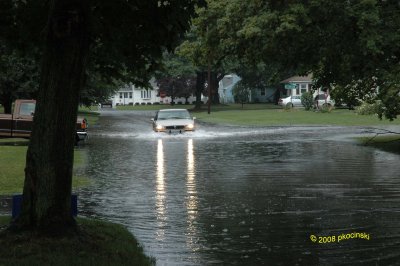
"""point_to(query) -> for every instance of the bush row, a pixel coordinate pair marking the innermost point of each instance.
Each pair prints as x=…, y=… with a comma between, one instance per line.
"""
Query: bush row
x=369, y=108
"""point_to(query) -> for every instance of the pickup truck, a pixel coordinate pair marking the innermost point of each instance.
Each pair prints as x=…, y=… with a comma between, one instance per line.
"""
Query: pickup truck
x=19, y=123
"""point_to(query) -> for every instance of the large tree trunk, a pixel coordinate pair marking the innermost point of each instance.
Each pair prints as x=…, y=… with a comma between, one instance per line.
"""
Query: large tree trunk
x=46, y=204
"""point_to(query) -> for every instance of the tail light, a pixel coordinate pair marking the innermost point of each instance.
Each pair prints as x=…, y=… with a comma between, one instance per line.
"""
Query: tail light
x=83, y=124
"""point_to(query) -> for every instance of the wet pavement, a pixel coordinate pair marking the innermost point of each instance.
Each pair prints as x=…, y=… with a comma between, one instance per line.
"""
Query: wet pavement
x=227, y=195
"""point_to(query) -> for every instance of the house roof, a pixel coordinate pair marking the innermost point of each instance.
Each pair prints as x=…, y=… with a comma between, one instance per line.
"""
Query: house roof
x=298, y=79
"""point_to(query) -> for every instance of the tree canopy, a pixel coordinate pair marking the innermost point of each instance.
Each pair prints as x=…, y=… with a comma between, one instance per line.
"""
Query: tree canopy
x=340, y=42
x=19, y=77
x=176, y=77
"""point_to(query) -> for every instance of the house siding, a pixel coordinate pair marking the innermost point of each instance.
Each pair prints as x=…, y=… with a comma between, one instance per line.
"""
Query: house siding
x=303, y=84
x=227, y=84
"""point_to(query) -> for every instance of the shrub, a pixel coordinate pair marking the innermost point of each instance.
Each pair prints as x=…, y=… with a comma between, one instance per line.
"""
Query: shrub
x=148, y=103
x=325, y=108
x=143, y=103
x=307, y=100
x=288, y=106
x=369, y=108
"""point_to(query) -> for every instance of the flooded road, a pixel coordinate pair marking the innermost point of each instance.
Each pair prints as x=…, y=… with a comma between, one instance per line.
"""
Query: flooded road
x=245, y=196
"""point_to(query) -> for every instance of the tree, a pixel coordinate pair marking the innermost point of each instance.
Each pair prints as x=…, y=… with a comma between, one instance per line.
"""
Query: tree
x=176, y=87
x=206, y=50
x=241, y=92
x=307, y=100
x=216, y=39
x=18, y=77
x=20, y=53
x=340, y=42
x=99, y=88
x=118, y=35
x=19, y=64
x=176, y=78
x=356, y=92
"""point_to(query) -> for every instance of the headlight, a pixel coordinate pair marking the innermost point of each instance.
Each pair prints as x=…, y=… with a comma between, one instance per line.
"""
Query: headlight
x=159, y=127
x=190, y=126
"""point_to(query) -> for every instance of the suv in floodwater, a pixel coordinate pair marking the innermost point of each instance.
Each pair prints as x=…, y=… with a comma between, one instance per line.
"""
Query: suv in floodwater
x=173, y=121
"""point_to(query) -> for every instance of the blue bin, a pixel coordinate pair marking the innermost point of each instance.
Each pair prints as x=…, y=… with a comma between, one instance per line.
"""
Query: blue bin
x=17, y=201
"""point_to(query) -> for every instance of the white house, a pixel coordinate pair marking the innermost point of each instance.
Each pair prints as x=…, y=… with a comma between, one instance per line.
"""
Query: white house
x=296, y=85
x=225, y=88
x=225, y=91
x=132, y=95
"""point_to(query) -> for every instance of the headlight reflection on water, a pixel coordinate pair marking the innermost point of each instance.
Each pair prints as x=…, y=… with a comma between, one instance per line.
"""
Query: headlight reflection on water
x=191, y=198
x=160, y=191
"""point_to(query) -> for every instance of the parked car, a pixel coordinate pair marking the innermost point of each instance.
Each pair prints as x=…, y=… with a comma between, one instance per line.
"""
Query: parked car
x=19, y=123
x=323, y=100
x=291, y=101
x=173, y=121
x=106, y=104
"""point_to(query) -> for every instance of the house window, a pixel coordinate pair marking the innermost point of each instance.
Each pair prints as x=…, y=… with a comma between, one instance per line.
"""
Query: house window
x=120, y=95
x=145, y=94
x=125, y=95
x=262, y=92
x=303, y=88
x=130, y=95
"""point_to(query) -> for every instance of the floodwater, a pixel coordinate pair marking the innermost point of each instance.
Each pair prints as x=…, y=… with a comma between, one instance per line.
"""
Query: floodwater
x=227, y=195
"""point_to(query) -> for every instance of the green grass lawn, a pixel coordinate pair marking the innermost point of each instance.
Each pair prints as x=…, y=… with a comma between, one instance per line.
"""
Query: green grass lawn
x=97, y=243
x=272, y=115
x=12, y=161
